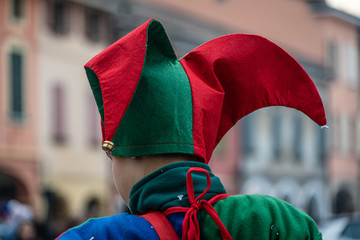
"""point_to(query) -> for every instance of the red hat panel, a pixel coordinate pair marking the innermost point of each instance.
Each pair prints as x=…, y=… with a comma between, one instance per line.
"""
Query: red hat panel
x=118, y=69
x=251, y=73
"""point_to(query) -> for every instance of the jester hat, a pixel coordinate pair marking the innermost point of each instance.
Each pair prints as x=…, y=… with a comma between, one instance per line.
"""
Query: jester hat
x=152, y=103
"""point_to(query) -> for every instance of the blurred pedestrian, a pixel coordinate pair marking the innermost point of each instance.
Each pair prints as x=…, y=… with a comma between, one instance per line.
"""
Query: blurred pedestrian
x=161, y=120
x=26, y=231
x=14, y=213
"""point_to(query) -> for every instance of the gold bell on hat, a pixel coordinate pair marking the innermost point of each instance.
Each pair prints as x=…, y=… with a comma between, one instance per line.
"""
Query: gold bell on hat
x=108, y=146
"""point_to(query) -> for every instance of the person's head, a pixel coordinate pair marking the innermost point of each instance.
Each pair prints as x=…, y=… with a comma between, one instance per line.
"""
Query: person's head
x=151, y=103
x=129, y=170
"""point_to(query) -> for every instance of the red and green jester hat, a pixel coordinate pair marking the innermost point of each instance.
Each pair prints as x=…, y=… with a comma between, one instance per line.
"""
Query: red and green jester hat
x=152, y=103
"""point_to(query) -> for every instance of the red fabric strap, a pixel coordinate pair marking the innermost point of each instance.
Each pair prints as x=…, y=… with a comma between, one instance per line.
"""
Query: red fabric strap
x=60, y=235
x=190, y=227
x=161, y=224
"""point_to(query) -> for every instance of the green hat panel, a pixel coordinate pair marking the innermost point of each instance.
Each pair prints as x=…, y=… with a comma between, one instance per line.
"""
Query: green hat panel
x=95, y=86
x=159, y=117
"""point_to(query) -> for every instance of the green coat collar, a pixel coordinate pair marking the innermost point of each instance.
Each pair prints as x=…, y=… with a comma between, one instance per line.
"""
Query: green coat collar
x=166, y=188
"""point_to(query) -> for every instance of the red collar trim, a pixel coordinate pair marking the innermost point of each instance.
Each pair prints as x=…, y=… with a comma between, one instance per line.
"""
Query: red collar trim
x=190, y=227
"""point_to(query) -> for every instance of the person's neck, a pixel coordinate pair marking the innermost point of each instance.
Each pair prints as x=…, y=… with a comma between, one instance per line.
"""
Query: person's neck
x=151, y=163
x=142, y=166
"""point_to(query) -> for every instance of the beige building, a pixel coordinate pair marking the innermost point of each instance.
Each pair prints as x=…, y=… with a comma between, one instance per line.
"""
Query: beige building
x=76, y=175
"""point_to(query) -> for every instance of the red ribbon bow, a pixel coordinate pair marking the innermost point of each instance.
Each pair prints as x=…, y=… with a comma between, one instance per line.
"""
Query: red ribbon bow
x=190, y=228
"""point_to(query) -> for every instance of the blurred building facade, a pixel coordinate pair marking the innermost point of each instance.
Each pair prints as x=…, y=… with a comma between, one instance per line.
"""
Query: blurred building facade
x=341, y=50
x=280, y=151
x=49, y=124
x=76, y=176
x=19, y=172
x=50, y=137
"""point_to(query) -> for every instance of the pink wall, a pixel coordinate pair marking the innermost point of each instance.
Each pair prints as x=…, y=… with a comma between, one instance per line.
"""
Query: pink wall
x=225, y=163
x=23, y=133
x=285, y=22
x=343, y=99
x=18, y=139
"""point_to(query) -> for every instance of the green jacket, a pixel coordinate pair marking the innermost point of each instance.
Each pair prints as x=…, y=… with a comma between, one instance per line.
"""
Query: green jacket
x=244, y=216
x=259, y=217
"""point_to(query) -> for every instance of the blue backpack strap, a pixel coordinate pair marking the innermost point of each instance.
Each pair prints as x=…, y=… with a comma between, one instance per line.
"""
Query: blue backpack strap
x=161, y=224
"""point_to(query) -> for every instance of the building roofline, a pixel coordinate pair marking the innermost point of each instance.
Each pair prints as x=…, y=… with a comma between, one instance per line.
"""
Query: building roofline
x=322, y=9
x=111, y=6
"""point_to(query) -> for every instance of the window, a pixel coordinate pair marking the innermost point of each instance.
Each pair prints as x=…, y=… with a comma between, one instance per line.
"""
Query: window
x=276, y=133
x=343, y=67
x=92, y=27
x=352, y=60
x=345, y=134
x=110, y=28
x=58, y=18
x=297, y=137
x=313, y=209
x=321, y=148
x=343, y=201
x=335, y=143
x=333, y=58
x=352, y=137
x=17, y=9
x=248, y=134
x=358, y=136
x=59, y=134
x=16, y=85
